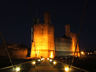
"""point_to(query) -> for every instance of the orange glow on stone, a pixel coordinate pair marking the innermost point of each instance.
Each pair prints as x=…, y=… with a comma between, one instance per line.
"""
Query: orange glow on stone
x=74, y=40
x=43, y=41
x=51, y=54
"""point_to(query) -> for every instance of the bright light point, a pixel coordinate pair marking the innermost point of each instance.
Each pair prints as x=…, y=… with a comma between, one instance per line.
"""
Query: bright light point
x=50, y=60
x=47, y=58
x=66, y=69
x=42, y=58
x=17, y=69
x=82, y=53
x=51, y=54
x=54, y=62
x=38, y=60
x=34, y=62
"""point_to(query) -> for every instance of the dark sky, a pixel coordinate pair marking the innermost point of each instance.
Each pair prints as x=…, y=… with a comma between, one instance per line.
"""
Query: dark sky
x=17, y=18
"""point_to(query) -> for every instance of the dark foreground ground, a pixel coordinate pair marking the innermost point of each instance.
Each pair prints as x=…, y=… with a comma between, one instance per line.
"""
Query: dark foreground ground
x=42, y=66
x=87, y=62
x=4, y=61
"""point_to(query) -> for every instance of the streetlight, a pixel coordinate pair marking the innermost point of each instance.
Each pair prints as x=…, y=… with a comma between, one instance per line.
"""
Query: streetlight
x=47, y=58
x=17, y=69
x=82, y=53
x=42, y=59
x=66, y=68
x=54, y=62
x=33, y=62
x=38, y=60
x=50, y=60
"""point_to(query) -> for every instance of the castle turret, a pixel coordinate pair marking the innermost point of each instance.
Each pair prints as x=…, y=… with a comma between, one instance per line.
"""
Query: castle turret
x=67, y=30
x=46, y=18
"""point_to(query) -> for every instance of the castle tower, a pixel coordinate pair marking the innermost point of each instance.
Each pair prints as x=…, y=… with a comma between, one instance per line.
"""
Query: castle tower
x=43, y=39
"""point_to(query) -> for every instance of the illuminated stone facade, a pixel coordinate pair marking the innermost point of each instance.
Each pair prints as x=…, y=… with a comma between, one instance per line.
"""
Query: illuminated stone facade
x=74, y=37
x=15, y=51
x=43, y=39
x=66, y=45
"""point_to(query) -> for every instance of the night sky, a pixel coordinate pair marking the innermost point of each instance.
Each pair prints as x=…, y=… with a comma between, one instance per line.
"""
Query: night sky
x=17, y=19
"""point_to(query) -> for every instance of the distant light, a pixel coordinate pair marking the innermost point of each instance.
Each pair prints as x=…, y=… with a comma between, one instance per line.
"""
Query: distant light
x=47, y=58
x=88, y=53
x=66, y=69
x=38, y=60
x=54, y=62
x=42, y=59
x=51, y=54
x=82, y=53
x=34, y=62
x=50, y=60
x=17, y=69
